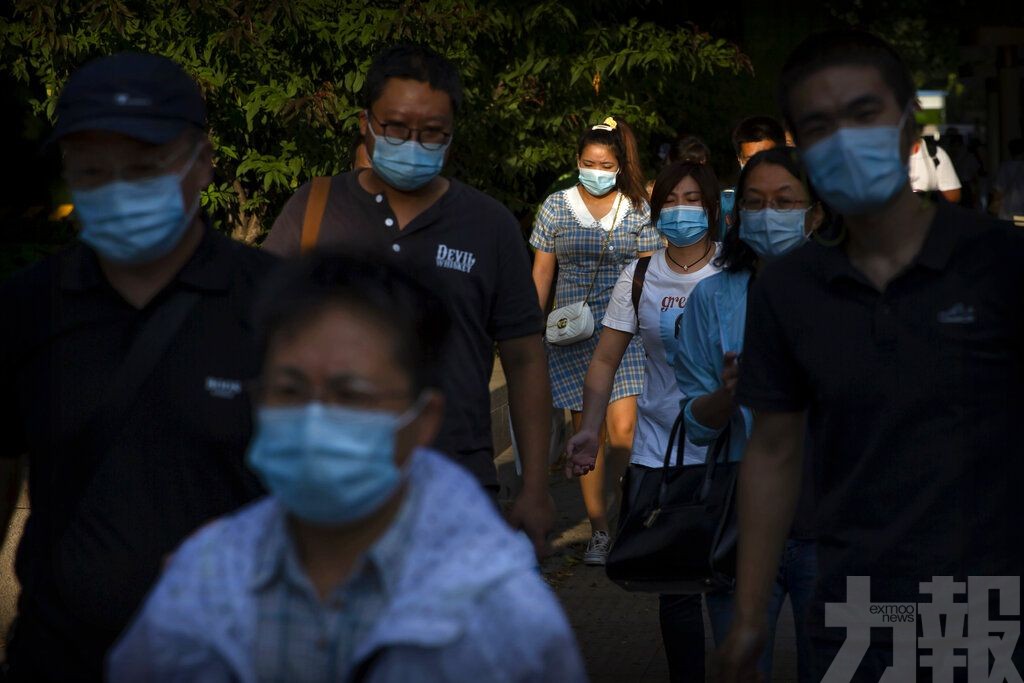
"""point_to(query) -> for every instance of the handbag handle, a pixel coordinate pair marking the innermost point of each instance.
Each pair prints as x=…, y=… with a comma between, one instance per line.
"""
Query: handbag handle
x=678, y=432
x=715, y=452
x=604, y=248
x=713, y=457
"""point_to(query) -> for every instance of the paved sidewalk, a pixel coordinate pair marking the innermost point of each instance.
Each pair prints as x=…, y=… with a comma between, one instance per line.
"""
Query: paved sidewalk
x=618, y=631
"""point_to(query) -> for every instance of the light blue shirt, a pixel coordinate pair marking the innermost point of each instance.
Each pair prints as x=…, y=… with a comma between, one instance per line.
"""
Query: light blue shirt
x=298, y=635
x=712, y=324
x=458, y=600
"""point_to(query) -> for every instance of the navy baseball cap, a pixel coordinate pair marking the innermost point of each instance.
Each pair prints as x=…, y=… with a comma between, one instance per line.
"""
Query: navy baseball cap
x=143, y=96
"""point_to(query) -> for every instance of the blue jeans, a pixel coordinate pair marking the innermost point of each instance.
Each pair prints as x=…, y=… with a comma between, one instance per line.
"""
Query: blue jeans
x=798, y=569
x=798, y=573
x=682, y=624
x=682, y=632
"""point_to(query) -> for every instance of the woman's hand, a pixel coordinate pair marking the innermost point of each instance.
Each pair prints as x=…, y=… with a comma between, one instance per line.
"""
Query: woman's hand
x=582, y=453
x=715, y=409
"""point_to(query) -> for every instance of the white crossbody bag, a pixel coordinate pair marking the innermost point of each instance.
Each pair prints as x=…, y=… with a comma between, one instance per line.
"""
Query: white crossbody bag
x=574, y=323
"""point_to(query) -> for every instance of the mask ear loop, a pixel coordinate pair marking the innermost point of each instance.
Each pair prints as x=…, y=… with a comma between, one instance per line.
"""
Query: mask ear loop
x=817, y=235
x=808, y=235
x=407, y=416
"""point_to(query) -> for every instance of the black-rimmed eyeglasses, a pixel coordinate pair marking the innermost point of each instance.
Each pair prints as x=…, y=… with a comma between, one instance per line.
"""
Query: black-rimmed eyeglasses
x=399, y=133
x=781, y=204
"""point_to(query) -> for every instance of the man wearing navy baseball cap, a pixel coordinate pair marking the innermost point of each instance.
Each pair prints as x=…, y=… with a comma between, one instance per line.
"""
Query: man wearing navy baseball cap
x=123, y=365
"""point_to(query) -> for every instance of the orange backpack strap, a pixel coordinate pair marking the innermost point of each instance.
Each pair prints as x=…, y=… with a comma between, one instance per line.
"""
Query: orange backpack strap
x=316, y=203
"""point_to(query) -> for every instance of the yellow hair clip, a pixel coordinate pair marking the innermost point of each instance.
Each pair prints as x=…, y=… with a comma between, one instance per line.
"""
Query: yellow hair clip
x=608, y=124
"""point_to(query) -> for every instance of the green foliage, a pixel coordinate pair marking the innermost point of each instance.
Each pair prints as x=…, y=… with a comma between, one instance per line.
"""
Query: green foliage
x=282, y=80
x=924, y=32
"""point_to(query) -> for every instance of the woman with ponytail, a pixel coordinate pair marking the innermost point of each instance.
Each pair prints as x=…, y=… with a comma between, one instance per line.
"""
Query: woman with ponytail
x=591, y=231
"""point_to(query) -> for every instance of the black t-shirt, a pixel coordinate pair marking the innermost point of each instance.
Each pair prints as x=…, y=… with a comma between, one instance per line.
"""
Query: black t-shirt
x=914, y=397
x=100, y=528
x=470, y=247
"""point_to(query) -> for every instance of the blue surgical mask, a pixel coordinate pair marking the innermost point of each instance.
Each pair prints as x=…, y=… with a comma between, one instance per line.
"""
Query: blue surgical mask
x=408, y=166
x=858, y=170
x=770, y=232
x=328, y=464
x=683, y=225
x=597, y=182
x=135, y=222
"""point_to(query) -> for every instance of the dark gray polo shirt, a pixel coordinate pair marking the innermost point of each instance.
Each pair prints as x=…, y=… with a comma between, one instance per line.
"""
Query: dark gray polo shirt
x=471, y=248
x=915, y=399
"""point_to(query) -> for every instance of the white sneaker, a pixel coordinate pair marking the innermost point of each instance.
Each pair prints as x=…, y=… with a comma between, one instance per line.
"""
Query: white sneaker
x=597, y=549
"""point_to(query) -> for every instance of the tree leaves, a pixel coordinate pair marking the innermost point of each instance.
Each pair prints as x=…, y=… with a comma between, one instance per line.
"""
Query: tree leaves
x=283, y=80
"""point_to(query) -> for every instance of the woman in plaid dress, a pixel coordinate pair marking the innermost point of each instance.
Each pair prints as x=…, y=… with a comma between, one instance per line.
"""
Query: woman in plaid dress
x=606, y=212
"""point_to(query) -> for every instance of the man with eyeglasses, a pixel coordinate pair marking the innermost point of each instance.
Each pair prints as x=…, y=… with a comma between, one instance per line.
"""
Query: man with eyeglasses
x=123, y=361
x=458, y=237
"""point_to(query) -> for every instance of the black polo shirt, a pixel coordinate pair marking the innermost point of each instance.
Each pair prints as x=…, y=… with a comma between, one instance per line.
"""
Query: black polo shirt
x=470, y=247
x=915, y=398
x=98, y=533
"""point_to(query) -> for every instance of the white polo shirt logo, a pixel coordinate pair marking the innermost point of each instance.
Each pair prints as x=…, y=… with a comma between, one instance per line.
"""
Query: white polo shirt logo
x=454, y=259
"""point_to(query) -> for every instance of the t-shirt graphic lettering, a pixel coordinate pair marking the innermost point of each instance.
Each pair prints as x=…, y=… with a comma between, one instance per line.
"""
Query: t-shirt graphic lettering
x=455, y=259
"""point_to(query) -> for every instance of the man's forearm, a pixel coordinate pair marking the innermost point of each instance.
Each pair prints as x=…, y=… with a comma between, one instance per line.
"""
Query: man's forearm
x=529, y=400
x=769, y=486
x=10, y=488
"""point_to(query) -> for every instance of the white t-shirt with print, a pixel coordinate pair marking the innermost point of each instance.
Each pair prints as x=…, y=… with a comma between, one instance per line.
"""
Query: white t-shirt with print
x=664, y=295
x=926, y=176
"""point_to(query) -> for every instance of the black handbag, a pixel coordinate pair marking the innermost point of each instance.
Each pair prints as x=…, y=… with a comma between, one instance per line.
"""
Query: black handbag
x=678, y=534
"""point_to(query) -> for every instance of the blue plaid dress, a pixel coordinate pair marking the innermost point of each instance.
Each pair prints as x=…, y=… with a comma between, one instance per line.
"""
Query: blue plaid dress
x=576, y=240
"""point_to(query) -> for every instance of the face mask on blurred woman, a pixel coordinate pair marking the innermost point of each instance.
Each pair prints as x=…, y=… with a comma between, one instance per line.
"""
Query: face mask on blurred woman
x=773, y=232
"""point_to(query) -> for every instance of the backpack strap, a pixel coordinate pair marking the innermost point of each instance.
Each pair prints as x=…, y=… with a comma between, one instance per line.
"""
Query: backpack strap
x=316, y=203
x=639, y=275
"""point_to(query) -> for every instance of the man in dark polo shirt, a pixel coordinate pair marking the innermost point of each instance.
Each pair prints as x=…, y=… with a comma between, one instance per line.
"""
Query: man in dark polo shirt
x=465, y=242
x=123, y=362
x=901, y=340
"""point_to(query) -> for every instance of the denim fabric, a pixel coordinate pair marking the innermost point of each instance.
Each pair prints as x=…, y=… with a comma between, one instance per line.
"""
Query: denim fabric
x=798, y=569
x=798, y=573
x=720, y=611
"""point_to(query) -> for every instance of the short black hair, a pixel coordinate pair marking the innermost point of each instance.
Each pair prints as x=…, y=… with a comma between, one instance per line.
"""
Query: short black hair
x=736, y=255
x=414, y=62
x=707, y=181
x=416, y=319
x=689, y=148
x=758, y=129
x=844, y=46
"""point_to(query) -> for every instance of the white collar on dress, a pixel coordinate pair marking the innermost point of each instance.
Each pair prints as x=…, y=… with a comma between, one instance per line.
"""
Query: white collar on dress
x=585, y=218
